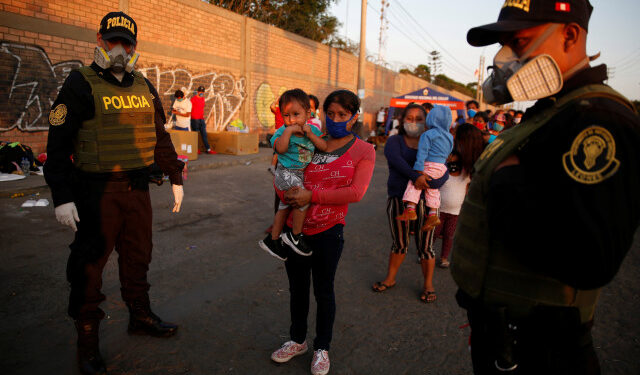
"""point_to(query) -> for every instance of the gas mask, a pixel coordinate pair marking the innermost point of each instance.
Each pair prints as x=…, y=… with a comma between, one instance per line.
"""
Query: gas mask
x=516, y=78
x=117, y=58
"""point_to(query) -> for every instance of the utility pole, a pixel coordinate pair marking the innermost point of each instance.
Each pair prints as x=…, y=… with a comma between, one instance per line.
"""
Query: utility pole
x=479, y=97
x=384, y=25
x=363, y=49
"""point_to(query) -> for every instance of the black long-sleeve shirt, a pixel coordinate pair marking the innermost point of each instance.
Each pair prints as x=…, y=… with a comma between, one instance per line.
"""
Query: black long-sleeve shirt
x=76, y=95
x=576, y=230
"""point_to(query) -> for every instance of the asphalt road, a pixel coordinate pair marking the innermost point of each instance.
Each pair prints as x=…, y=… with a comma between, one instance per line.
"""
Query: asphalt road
x=231, y=299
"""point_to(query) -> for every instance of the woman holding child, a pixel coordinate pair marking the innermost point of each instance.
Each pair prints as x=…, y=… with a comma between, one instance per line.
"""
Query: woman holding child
x=401, y=151
x=336, y=176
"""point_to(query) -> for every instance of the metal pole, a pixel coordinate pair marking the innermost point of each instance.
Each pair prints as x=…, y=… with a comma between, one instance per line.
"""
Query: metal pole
x=363, y=49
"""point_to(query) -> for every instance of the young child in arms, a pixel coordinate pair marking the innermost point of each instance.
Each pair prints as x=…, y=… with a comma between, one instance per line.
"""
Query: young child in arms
x=295, y=143
x=433, y=149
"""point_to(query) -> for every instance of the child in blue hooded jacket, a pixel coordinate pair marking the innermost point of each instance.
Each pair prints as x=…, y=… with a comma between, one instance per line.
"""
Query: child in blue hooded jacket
x=433, y=149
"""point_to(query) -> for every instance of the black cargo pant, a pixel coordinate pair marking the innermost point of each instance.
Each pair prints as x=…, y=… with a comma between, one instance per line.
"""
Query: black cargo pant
x=550, y=341
x=112, y=215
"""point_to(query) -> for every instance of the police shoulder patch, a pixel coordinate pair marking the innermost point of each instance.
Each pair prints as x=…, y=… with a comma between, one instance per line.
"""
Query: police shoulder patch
x=58, y=115
x=591, y=159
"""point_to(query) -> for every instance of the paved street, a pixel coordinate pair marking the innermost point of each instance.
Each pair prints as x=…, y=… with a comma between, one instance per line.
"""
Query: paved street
x=231, y=300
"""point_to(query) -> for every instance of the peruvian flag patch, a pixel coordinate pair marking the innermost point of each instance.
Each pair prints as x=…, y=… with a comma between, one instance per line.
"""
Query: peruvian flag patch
x=563, y=7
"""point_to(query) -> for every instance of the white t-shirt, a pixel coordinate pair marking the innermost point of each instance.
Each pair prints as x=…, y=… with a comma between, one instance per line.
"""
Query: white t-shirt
x=183, y=107
x=380, y=117
x=452, y=193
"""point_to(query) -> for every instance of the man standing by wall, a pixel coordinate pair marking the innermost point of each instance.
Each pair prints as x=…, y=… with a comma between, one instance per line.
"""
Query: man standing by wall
x=197, y=118
x=553, y=204
x=106, y=129
x=182, y=110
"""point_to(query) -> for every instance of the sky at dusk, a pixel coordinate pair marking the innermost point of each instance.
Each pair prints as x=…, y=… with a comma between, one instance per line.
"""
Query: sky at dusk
x=416, y=27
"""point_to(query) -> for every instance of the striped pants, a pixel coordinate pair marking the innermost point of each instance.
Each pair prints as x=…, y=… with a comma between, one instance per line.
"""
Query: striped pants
x=400, y=230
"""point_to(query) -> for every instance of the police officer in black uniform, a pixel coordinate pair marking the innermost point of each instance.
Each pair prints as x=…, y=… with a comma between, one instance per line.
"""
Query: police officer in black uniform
x=553, y=204
x=106, y=129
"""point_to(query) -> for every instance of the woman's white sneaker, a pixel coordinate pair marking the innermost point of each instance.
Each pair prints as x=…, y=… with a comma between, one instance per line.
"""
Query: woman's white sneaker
x=320, y=363
x=289, y=350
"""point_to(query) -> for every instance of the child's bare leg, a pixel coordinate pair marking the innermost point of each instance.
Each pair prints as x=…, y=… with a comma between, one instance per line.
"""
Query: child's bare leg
x=298, y=219
x=278, y=222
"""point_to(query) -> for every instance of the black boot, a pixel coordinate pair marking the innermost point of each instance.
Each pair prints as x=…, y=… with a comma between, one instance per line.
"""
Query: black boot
x=89, y=358
x=142, y=321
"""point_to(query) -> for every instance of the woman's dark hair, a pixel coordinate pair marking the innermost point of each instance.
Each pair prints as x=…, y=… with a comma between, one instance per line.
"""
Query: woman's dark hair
x=508, y=124
x=315, y=100
x=345, y=98
x=179, y=94
x=404, y=113
x=468, y=144
x=294, y=95
x=427, y=106
x=483, y=115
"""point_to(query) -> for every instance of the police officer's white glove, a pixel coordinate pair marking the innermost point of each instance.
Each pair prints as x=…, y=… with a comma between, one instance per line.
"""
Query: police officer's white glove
x=67, y=214
x=178, y=194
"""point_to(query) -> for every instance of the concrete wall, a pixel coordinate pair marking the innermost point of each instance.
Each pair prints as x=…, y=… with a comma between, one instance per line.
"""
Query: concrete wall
x=243, y=64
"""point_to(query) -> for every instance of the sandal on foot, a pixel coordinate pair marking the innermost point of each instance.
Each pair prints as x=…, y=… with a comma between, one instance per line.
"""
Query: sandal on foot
x=444, y=264
x=428, y=296
x=380, y=287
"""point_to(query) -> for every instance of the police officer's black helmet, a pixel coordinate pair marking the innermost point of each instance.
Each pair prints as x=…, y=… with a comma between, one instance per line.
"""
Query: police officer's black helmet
x=523, y=14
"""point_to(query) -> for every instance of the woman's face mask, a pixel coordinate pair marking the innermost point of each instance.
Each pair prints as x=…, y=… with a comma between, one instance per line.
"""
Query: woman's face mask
x=180, y=99
x=201, y=94
x=414, y=130
x=338, y=129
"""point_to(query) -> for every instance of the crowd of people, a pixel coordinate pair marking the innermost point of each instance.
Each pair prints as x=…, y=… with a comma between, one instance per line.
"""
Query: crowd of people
x=483, y=174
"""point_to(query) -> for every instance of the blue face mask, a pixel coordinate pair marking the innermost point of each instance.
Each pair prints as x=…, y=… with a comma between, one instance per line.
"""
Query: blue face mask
x=201, y=94
x=180, y=99
x=471, y=113
x=497, y=127
x=338, y=129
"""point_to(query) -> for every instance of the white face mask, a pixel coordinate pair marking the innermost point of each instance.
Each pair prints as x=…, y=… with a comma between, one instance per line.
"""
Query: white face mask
x=116, y=58
x=520, y=79
x=414, y=130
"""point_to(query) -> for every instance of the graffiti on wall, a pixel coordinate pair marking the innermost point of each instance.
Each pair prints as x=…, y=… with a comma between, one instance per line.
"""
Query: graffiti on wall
x=264, y=98
x=29, y=84
x=224, y=94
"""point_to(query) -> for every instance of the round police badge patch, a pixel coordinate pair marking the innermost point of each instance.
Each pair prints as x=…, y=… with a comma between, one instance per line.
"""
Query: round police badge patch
x=591, y=159
x=58, y=114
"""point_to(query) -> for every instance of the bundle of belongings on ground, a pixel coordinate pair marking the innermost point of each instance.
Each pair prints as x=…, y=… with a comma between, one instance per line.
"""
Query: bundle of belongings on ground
x=12, y=155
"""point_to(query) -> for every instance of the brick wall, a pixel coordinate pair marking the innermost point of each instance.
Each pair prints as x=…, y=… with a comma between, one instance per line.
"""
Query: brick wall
x=243, y=64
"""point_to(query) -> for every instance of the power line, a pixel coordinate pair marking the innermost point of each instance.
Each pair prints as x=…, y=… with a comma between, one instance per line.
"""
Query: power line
x=430, y=36
x=445, y=62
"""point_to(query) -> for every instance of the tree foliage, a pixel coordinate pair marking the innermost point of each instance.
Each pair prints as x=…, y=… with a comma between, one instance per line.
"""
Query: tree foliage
x=308, y=18
x=450, y=84
x=421, y=71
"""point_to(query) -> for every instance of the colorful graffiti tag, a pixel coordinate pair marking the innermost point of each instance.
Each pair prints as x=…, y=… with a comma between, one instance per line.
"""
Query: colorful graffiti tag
x=263, y=100
x=224, y=94
x=29, y=84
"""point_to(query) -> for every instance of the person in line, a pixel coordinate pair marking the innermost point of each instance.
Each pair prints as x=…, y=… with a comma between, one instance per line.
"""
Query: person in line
x=275, y=109
x=467, y=147
x=380, y=116
x=182, y=110
x=315, y=112
x=98, y=168
x=295, y=143
x=401, y=151
x=531, y=301
x=433, y=149
x=197, y=119
x=336, y=177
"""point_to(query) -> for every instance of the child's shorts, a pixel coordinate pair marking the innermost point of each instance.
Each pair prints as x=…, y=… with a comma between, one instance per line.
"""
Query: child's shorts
x=284, y=180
